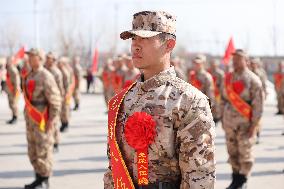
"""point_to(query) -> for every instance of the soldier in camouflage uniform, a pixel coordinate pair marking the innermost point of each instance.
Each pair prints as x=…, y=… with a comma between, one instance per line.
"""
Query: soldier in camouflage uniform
x=218, y=78
x=67, y=82
x=240, y=129
x=131, y=73
x=201, y=79
x=43, y=94
x=176, y=63
x=183, y=153
x=51, y=66
x=106, y=78
x=13, y=88
x=118, y=74
x=77, y=69
x=278, y=78
x=255, y=66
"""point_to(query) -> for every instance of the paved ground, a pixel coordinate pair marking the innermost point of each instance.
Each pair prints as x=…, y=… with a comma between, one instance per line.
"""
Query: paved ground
x=82, y=161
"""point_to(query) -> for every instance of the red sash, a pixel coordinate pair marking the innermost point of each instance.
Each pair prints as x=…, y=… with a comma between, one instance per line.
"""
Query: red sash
x=10, y=85
x=194, y=81
x=238, y=103
x=120, y=174
x=24, y=72
x=277, y=79
x=105, y=78
x=39, y=118
x=117, y=82
x=70, y=91
x=216, y=89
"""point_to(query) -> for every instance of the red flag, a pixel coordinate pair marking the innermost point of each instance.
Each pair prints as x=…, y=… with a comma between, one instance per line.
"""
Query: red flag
x=95, y=61
x=20, y=55
x=228, y=53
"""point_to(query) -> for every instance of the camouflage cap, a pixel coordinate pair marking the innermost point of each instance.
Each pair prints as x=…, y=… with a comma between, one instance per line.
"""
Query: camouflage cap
x=36, y=52
x=199, y=59
x=240, y=52
x=51, y=56
x=255, y=60
x=215, y=61
x=151, y=23
x=64, y=60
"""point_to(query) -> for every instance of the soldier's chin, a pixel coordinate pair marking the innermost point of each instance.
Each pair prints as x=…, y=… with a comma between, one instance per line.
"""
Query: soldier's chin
x=138, y=64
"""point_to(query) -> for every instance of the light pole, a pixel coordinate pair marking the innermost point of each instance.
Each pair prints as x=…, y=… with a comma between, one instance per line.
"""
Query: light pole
x=36, y=25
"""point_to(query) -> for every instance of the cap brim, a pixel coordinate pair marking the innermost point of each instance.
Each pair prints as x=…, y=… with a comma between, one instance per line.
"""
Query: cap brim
x=141, y=33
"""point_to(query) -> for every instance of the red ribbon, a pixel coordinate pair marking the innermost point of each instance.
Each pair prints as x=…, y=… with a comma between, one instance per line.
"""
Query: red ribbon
x=140, y=132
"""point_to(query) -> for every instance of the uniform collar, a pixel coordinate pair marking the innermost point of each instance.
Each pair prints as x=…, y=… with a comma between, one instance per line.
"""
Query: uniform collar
x=39, y=69
x=157, y=80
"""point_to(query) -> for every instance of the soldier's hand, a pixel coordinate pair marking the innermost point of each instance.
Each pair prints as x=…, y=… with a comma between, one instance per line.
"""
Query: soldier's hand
x=49, y=126
x=252, y=131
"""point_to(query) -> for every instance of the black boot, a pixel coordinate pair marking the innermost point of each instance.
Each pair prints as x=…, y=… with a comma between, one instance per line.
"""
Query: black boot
x=279, y=113
x=76, y=107
x=39, y=183
x=242, y=182
x=13, y=120
x=234, y=181
x=55, y=148
x=257, y=138
x=63, y=127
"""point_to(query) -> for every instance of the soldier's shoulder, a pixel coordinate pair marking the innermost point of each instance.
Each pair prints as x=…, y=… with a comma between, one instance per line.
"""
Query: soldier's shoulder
x=186, y=89
x=46, y=74
x=254, y=78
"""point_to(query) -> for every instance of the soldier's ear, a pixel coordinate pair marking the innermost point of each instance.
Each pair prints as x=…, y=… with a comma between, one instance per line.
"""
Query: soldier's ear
x=170, y=44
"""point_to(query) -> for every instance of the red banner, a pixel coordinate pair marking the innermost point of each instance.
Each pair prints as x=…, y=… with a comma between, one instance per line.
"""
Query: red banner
x=95, y=61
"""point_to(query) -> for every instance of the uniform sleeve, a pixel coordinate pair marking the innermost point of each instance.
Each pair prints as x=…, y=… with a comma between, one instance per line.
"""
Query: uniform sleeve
x=60, y=84
x=15, y=80
x=108, y=180
x=257, y=101
x=197, y=151
x=210, y=90
x=53, y=97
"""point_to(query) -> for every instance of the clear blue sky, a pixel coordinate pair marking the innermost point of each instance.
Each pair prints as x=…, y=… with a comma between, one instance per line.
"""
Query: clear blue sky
x=202, y=25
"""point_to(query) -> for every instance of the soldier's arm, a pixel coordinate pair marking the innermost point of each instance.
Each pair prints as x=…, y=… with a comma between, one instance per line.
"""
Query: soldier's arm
x=197, y=151
x=53, y=97
x=257, y=101
x=108, y=180
x=15, y=80
x=210, y=90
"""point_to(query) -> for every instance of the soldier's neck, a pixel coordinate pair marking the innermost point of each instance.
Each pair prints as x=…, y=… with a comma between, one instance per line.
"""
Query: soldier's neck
x=149, y=73
x=36, y=68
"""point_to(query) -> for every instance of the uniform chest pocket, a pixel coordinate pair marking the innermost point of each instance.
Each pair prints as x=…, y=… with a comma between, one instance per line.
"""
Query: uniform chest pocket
x=165, y=139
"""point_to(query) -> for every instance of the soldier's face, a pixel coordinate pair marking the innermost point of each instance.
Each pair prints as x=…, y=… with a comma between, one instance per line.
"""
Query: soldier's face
x=49, y=62
x=34, y=61
x=146, y=52
x=197, y=66
x=129, y=64
x=239, y=62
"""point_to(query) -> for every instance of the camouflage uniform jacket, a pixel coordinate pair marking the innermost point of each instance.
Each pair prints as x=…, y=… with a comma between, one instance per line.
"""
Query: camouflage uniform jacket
x=180, y=74
x=218, y=75
x=207, y=84
x=262, y=76
x=77, y=69
x=184, y=146
x=251, y=92
x=14, y=77
x=46, y=92
x=54, y=70
x=67, y=79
